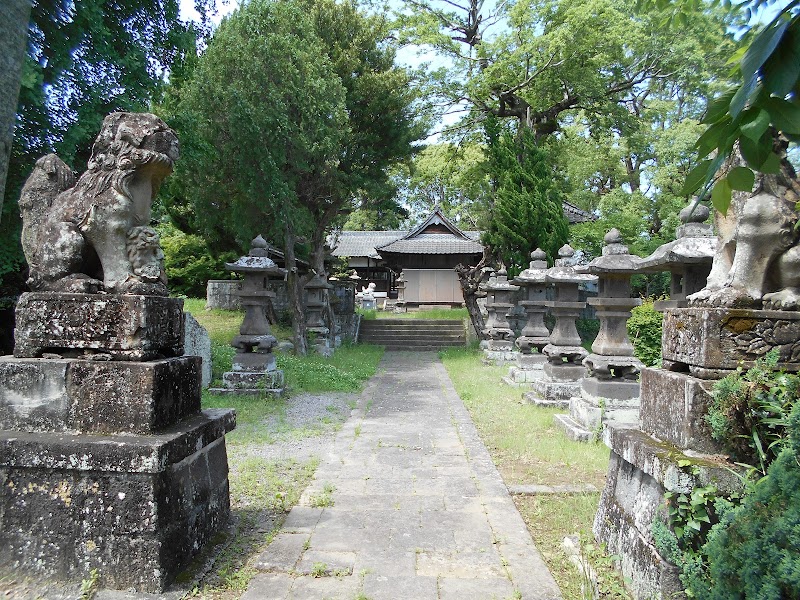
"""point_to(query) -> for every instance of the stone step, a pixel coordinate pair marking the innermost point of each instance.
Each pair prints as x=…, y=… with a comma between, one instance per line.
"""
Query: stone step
x=412, y=335
x=416, y=344
x=572, y=428
x=417, y=335
x=420, y=322
x=403, y=330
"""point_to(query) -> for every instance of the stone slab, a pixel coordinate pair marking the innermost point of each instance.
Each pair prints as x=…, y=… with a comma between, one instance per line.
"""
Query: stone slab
x=615, y=392
x=137, y=508
x=573, y=429
x=564, y=372
x=552, y=393
x=628, y=506
x=282, y=553
x=713, y=339
x=197, y=342
x=106, y=397
x=114, y=453
x=126, y=327
x=674, y=406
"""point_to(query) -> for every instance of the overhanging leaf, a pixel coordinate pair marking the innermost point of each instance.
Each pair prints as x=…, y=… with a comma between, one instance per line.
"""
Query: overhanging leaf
x=772, y=165
x=718, y=107
x=756, y=152
x=741, y=178
x=755, y=124
x=785, y=115
x=721, y=195
x=713, y=137
x=696, y=177
x=782, y=69
x=761, y=48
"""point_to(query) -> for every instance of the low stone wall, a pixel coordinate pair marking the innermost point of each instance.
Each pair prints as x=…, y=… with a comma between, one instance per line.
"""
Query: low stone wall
x=223, y=294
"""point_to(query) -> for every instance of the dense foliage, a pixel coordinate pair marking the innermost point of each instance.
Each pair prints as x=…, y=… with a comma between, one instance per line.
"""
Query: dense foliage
x=644, y=330
x=749, y=414
x=744, y=547
x=527, y=212
x=189, y=262
x=755, y=550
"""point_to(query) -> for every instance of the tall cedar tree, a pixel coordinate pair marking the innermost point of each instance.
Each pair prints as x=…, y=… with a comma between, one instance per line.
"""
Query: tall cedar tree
x=527, y=211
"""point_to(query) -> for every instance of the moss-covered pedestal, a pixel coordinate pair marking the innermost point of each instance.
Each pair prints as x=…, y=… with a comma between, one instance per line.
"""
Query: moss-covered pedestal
x=672, y=450
x=106, y=460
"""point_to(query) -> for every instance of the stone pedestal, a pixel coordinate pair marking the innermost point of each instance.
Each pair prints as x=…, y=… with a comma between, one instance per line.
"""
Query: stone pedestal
x=534, y=336
x=712, y=342
x=498, y=346
x=564, y=351
x=610, y=390
x=106, y=462
x=650, y=460
x=137, y=508
x=122, y=327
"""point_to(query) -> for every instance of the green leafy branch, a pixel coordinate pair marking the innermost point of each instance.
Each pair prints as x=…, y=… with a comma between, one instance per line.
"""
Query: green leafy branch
x=751, y=114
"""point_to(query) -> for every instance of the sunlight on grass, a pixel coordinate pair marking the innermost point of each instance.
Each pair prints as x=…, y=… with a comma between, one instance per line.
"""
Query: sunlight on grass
x=524, y=442
x=528, y=449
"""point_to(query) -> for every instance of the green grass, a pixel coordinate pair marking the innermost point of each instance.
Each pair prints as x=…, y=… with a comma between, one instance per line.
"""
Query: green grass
x=259, y=486
x=528, y=449
x=346, y=371
x=450, y=314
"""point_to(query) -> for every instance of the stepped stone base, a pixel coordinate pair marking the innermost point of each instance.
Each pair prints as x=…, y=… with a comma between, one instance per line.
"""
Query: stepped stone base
x=674, y=406
x=642, y=469
x=137, y=508
x=244, y=383
x=529, y=368
x=498, y=357
x=122, y=327
x=73, y=395
x=599, y=402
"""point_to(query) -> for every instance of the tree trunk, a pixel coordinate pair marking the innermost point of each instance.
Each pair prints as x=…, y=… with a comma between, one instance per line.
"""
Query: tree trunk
x=294, y=286
x=470, y=279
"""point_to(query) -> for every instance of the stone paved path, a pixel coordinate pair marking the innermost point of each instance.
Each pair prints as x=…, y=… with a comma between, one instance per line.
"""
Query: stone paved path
x=417, y=510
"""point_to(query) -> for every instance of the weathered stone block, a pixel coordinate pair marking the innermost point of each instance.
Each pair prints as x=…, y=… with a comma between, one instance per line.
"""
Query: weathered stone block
x=127, y=327
x=674, y=406
x=197, y=342
x=623, y=521
x=708, y=340
x=97, y=396
x=136, y=507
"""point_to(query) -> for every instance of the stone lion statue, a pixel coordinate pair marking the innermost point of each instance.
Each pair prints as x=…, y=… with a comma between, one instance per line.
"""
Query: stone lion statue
x=757, y=262
x=95, y=235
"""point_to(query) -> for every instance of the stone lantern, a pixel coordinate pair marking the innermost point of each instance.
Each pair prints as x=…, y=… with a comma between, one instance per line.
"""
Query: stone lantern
x=315, y=305
x=535, y=335
x=564, y=352
x=400, y=284
x=254, y=370
x=688, y=258
x=500, y=337
x=611, y=388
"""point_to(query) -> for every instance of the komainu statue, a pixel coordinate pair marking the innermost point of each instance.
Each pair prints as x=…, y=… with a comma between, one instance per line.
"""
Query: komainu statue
x=758, y=255
x=95, y=235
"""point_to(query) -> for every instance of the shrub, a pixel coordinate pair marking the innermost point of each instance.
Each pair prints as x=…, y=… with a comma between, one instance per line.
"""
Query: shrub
x=750, y=411
x=644, y=330
x=189, y=263
x=755, y=551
